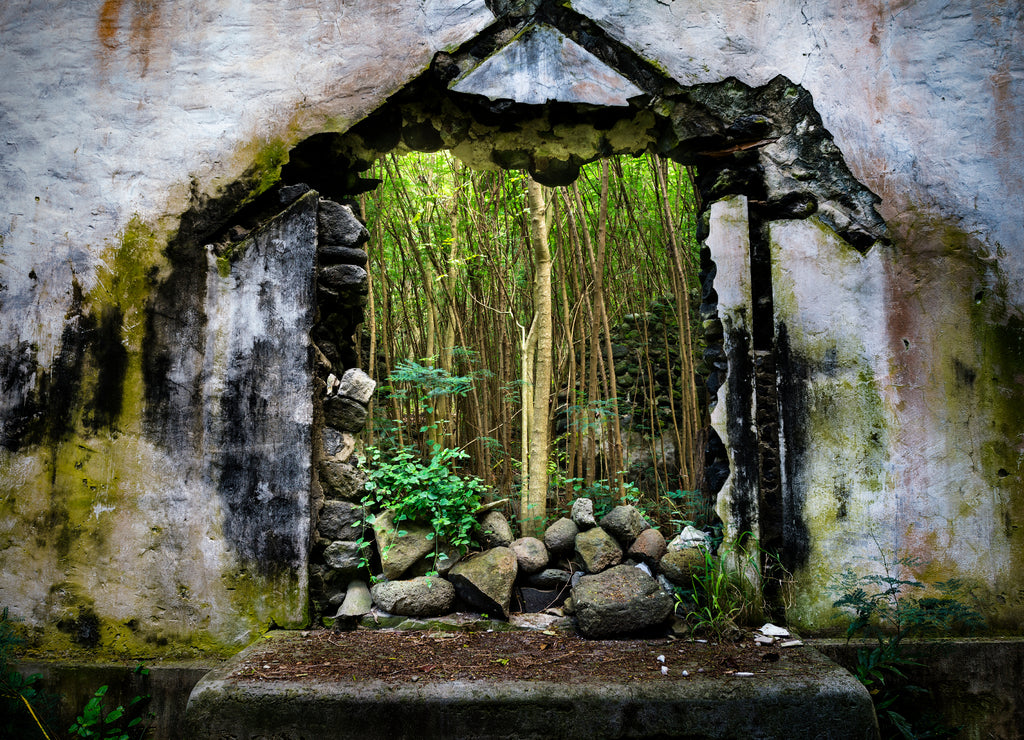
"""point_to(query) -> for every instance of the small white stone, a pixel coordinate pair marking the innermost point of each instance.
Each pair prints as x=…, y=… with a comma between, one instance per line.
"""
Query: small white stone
x=689, y=537
x=664, y=670
x=661, y=658
x=686, y=673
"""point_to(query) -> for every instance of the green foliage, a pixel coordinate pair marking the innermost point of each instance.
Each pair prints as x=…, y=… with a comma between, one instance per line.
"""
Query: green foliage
x=890, y=608
x=723, y=589
x=20, y=699
x=428, y=382
x=430, y=491
x=603, y=492
x=426, y=487
x=677, y=509
x=129, y=722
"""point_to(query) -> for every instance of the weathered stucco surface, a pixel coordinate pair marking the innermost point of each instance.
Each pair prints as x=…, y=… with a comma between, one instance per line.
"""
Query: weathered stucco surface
x=119, y=118
x=124, y=524
x=833, y=361
x=733, y=416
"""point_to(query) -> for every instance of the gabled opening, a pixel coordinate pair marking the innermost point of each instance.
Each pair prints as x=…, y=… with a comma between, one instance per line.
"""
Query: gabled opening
x=766, y=144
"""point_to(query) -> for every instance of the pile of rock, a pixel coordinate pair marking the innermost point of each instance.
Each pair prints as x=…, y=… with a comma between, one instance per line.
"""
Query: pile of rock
x=614, y=575
x=338, y=554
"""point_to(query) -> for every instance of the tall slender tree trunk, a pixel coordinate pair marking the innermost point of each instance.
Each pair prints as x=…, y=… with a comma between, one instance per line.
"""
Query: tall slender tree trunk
x=615, y=443
x=533, y=507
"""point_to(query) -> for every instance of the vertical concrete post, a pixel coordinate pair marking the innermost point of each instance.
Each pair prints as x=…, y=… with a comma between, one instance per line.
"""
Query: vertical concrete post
x=258, y=408
x=832, y=365
x=733, y=415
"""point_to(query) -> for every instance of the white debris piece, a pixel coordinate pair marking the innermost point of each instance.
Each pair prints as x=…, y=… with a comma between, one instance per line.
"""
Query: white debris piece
x=664, y=670
x=791, y=643
x=763, y=639
x=772, y=631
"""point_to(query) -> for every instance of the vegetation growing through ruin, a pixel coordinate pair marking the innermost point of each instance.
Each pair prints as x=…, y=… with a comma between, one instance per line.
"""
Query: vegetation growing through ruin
x=27, y=711
x=20, y=698
x=454, y=275
x=889, y=608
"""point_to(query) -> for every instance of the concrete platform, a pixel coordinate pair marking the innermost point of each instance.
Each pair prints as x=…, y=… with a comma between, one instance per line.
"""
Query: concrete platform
x=820, y=700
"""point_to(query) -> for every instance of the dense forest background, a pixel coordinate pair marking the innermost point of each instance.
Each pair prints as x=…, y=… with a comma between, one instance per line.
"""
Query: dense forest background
x=558, y=325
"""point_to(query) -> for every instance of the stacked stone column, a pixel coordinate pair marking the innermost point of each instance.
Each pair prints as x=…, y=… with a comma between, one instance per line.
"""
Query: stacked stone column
x=343, y=392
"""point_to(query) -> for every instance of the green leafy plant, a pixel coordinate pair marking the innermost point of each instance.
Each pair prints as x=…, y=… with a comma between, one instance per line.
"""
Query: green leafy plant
x=603, y=492
x=724, y=588
x=889, y=608
x=431, y=492
x=21, y=701
x=121, y=723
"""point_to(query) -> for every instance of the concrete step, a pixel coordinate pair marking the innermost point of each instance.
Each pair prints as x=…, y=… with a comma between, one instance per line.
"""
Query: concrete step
x=811, y=697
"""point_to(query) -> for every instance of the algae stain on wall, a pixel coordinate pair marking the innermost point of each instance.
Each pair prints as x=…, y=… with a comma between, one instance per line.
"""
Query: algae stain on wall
x=835, y=424
x=953, y=325
x=105, y=544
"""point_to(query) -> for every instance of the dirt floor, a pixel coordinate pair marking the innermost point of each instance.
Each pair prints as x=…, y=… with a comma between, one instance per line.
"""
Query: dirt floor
x=400, y=656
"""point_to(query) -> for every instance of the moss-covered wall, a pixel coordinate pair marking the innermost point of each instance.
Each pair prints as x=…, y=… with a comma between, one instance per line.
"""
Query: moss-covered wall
x=121, y=542
x=834, y=423
x=127, y=150
x=957, y=386
x=145, y=474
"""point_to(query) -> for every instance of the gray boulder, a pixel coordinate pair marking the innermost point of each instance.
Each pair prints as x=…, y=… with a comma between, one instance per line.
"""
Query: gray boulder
x=341, y=520
x=338, y=446
x=338, y=225
x=531, y=555
x=560, y=537
x=357, y=385
x=549, y=578
x=619, y=601
x=344, y=278
x=357, y=602
x=583, y=513
x=344, y=414
x=648, y=547
x=485, y=580
x=401, y=546
x=597, y=550
x=624, y=523
x=494, y=530
x=679, y=566
x=344, y=557
x=440, y=561
x=425, y=596
x=340, y=480
x=690, y=537
x=328, y=253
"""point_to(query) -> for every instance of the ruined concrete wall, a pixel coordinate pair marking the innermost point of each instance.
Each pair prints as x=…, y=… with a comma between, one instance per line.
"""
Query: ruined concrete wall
x=127, y=124
x=156, y=396
x=923, y=100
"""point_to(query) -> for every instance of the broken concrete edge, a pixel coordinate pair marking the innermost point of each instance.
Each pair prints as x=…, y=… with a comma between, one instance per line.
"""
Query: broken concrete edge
x=794, y=705
x=975, y=683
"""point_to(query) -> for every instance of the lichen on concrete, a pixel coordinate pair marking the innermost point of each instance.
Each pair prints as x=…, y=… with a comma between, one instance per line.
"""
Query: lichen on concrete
x=835, y=426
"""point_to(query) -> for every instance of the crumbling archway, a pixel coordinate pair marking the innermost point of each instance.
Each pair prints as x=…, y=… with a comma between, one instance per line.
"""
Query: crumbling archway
x=764, y=148
x=527, y=95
